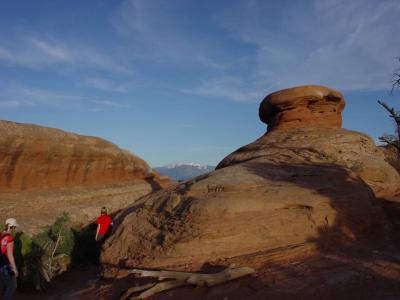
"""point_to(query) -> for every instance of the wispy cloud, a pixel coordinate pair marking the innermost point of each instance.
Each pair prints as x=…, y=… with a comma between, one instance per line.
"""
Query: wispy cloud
x=153, y=31
x=106, y=85
x=230, y=88
x=10, y=98
x=35, y=52
x=52, y=51
x=347, y=45
x=27, y=97
x=109, y=104
x=15, y=103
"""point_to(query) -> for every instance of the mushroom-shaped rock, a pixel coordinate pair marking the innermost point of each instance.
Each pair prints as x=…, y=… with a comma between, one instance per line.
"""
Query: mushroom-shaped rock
x=311, y=119
x=310, y=105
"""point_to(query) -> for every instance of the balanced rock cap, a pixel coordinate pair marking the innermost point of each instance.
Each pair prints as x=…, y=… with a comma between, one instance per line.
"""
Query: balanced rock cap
x=303, y=106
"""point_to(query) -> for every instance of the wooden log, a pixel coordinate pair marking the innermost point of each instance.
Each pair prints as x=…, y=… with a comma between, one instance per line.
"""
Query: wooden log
x=186, y=278
x=197, y=278
x=161, y=275
x=160, y=287
x=136, y=289
x=218, y=278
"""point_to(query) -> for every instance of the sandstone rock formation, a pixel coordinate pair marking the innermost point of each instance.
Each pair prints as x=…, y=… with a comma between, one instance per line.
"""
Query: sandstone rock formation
x=36, y=157
x=307, y=185
x=304, y=126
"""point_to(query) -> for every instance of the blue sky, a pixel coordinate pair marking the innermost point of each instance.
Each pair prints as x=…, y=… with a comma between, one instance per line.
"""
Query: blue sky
x=181, y=80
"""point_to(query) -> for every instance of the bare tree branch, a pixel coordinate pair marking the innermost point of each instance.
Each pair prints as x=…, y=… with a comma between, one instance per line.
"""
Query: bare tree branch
x=394, y=115
x=396, y=79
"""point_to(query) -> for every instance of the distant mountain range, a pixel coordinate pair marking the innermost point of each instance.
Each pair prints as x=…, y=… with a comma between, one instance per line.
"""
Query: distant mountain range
x=183, y=171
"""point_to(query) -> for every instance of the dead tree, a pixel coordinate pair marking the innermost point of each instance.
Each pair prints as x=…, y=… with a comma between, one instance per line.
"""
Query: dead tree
x=170, y=280
x=393, y=140
x=396, y=79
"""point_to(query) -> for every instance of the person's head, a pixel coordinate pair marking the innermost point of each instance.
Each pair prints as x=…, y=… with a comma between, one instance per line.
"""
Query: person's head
x=103, y=210
x=11, y=224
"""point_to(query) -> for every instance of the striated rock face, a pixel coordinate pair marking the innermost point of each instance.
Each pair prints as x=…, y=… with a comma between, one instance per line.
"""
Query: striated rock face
x=310, y=105
x=36, y=157
x=293, y=187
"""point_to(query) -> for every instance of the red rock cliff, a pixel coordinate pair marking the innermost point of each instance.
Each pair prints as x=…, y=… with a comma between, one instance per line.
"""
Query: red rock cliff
x=36, y=157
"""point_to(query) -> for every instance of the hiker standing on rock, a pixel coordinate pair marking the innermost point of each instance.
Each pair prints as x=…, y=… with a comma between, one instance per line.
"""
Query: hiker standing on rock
x=104, y=222
x=8, y=268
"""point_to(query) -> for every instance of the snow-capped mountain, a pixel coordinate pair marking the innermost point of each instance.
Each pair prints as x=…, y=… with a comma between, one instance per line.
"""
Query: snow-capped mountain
x=183, y=171
x=195, y=165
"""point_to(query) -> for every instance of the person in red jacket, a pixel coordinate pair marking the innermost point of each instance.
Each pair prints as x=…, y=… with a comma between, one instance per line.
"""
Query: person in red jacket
x=8, y=268
x=104, y=223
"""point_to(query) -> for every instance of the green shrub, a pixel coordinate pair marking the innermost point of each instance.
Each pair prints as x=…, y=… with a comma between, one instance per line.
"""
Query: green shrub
x=51, y=250
x=36, y=253
x=60, y=228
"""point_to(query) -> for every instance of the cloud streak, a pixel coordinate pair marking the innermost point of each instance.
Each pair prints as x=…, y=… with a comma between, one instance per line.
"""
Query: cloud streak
x=106, y=85
x=15, y=104
x=236, y=52
x=109, y=104
x=39, y=98
x=39, y=53
x=230, y=88
x=161, y=34
x=350, y=46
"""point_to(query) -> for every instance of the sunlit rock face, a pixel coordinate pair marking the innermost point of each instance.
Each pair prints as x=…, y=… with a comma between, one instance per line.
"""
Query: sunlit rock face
x=34, y=157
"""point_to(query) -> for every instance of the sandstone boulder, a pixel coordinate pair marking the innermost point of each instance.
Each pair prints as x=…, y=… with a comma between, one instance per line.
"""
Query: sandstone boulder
x=36, y=157
x=313, y=185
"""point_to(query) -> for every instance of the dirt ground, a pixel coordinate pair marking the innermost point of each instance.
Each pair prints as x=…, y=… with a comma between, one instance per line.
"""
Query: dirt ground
x=368, y=269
